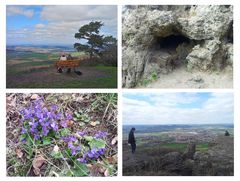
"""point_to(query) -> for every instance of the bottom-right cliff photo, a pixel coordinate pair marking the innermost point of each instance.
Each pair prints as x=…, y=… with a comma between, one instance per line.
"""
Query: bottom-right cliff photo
x=178, y=134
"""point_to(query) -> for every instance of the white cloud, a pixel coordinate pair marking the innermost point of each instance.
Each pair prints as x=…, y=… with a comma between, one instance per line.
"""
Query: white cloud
x=61, y=22
x=39, y=25
x=17, y=10
x=60, y=13
x=167, y=109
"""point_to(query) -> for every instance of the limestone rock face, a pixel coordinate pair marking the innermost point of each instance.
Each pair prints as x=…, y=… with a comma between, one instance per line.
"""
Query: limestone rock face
x=206, y=22
x=207, y=45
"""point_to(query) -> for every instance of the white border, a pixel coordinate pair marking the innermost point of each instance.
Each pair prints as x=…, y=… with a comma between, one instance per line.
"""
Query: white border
x=3, y=89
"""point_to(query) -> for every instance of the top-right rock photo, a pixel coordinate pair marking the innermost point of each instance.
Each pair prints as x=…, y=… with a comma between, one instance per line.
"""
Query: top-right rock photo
x=180, y=46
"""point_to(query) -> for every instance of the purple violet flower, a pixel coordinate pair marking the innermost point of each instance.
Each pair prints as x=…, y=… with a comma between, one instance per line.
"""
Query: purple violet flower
x=74, y=149
x=54, y=126
x=64, y=123
x=100, y=135
x=69, y=138
x=82, y=160
x=82, y=133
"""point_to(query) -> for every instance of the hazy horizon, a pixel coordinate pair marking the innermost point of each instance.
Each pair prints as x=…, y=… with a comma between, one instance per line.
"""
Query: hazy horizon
x=178, y=124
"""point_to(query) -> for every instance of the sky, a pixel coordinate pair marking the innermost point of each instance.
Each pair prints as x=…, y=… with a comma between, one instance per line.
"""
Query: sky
x=177, y=108
x=56, y=25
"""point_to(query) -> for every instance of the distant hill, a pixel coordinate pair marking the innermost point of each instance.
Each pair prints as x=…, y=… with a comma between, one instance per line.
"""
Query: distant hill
x=159, y=128
x=40, y=48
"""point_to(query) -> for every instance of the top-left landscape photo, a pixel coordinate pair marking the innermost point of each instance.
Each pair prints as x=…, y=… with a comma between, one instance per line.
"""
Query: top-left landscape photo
x=62, y=46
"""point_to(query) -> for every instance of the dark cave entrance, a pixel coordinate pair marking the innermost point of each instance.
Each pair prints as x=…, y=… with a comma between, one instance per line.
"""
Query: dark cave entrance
x=230, y=34
x=171, y=42
x=170, y=52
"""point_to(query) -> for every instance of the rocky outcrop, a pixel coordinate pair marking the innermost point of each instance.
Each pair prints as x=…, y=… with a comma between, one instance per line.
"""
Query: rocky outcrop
x=190, y=151
x=218, y=160
x=203, y=40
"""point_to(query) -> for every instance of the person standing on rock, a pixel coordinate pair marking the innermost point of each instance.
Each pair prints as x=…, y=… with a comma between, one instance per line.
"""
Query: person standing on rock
x=131, y=140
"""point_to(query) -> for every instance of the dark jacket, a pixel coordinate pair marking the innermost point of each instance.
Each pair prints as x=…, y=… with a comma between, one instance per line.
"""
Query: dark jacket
x=131, y=138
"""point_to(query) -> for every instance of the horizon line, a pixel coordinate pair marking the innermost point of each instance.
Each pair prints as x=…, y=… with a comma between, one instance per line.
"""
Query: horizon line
x=180, y=124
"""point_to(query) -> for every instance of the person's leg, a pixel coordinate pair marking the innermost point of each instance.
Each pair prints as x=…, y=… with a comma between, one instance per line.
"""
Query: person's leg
x=68, y=70
x=133, y=145
x=59, y=70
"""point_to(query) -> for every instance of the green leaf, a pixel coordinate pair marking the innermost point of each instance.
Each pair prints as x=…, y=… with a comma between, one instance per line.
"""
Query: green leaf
x=77, y=114
x=97, y=122
x=38, y=142
x=46, y=141
x=97, y=143
x=88, y=138
x=64, y=132
x=81, y=124
x=56, y=154
x=23, y=136
x=86, y=120
x=80, y=169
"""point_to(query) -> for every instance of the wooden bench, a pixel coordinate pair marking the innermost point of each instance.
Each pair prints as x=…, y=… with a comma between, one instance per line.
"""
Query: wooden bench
x=67, y=63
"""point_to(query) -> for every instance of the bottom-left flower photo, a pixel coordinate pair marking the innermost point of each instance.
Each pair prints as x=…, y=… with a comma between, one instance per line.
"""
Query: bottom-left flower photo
x=61, y=134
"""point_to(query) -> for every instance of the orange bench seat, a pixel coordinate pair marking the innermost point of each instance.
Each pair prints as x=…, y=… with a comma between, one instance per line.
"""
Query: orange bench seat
x=67, y=63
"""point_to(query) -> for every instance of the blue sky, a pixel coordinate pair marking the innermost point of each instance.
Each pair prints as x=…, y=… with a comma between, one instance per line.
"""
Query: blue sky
x=46, y=25
x=177, y=108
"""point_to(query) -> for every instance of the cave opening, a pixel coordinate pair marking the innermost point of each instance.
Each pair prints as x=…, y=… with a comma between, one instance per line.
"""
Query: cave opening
x=230, y=34
x=170, y=52
x=171, y=42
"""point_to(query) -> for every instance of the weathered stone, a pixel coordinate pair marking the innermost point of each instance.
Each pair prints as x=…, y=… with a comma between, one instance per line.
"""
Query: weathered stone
x=208, y=28
x=202, y=57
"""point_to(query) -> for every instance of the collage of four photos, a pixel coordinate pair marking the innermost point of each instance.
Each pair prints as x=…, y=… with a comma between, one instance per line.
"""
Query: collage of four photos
x=159, y=48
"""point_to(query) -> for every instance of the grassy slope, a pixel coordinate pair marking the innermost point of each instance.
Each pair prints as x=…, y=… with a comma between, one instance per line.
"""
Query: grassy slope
x=106, y=82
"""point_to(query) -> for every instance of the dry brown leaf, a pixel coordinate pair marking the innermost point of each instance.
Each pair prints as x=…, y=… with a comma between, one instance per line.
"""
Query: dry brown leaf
x=34, y=96
x=93, y=123
x=114, y=140
x=102, y=169
x=106, y=173
x=89, y=166
x=70, y=123
x=112, y=160
x=115, y=157
x=79, y=99
x=94, y=170
x=37, y=164
x=19, y=153
x=56, y=148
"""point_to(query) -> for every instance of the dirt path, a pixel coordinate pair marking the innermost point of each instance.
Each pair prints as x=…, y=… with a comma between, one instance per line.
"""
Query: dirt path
x=50, y=75
x=180, y=78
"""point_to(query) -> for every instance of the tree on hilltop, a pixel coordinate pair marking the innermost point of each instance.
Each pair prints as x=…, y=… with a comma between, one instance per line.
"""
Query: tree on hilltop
x=94, y=43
